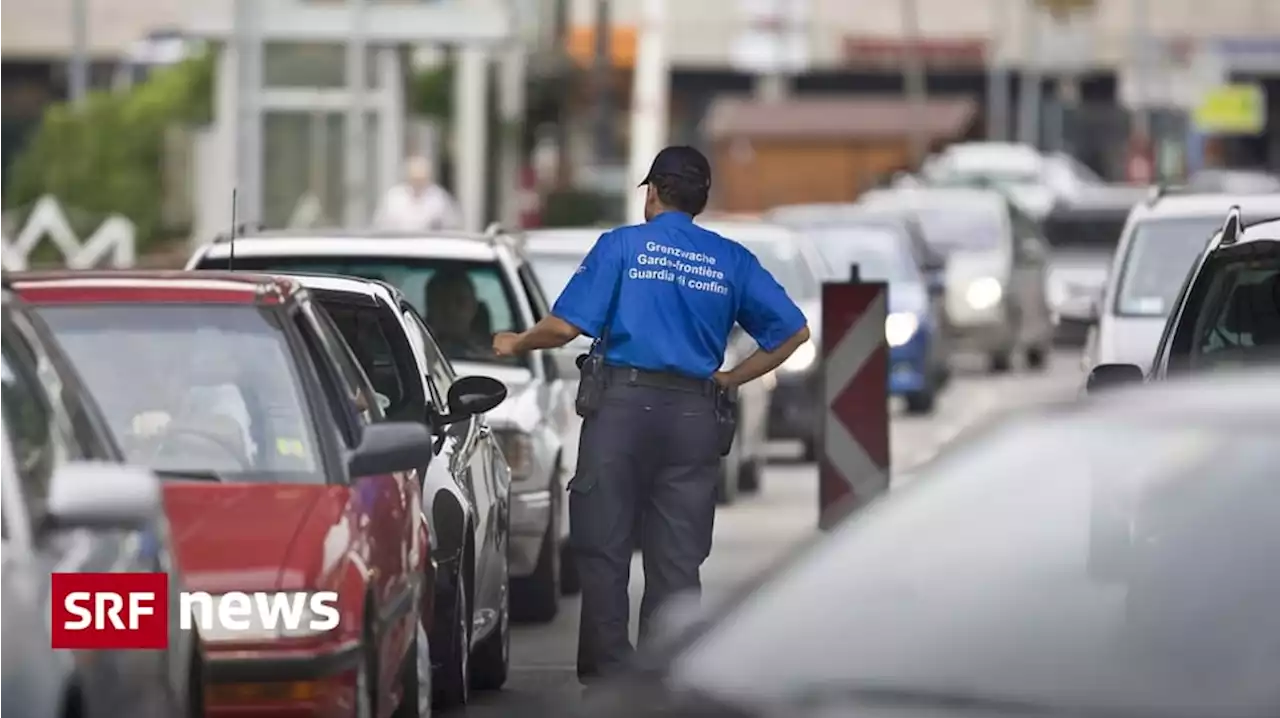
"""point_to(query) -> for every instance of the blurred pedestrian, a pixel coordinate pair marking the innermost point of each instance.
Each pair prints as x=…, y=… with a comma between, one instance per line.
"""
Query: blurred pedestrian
x=418, y=203
x=660, y=299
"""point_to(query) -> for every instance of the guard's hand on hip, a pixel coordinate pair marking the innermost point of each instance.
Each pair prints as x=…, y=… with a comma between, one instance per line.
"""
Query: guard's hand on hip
x=724, y=379
x=504, y=343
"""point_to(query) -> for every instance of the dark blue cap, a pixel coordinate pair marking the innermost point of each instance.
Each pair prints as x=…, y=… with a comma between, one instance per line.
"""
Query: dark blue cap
x=680, y=162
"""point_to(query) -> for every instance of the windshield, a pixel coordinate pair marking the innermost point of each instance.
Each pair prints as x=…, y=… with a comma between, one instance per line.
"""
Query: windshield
x=1238, y=323
x=881, y=255
x=555, y=270
x=1083, y=562
x=194, y=387
x=1068, y=230
x=1160, y=255
x=464, y=303
x=958, y=228
x=787, y=265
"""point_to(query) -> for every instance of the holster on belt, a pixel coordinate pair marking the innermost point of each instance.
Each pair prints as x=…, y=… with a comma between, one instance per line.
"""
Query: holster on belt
x=590, y=385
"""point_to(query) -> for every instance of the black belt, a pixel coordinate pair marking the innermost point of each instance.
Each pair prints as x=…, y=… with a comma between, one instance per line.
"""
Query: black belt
x=658, y=380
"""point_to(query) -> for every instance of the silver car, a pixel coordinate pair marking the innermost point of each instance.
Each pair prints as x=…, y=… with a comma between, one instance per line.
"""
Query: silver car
x=997, y=264
x=555, y=255
x=1160, y=243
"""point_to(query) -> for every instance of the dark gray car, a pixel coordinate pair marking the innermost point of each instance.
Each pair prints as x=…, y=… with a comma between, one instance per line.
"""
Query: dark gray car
x=1113, y=558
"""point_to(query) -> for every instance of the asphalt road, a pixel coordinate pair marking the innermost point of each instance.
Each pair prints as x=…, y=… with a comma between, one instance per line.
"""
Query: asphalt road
x=762, y=529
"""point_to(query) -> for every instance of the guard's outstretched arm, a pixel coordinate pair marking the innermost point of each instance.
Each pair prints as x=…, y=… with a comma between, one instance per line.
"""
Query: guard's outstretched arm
x=549, y=333
x=762, y=362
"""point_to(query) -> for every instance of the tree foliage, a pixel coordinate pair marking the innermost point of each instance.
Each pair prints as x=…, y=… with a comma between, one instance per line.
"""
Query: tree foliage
x=107, y=156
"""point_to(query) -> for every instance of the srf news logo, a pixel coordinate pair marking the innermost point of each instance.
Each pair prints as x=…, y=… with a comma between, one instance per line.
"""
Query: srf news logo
x=108, y=611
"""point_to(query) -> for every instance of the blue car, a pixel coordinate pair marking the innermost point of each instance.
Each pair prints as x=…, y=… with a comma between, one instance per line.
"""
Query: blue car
x=918, y=366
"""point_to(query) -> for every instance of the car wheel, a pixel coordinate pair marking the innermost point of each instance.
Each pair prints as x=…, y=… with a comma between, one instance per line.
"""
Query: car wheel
x=1001, y=362
x=367, y=677
x=415, y=678
x=492, y=661
x=453, y=679
x=536, y=597
x=569, y=584
x=810, y=454
x=749, y=476
x=1037, y=357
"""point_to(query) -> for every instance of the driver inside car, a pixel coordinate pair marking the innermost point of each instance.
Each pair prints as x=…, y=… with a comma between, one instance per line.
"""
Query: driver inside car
x=206, y=413
x=453, y=312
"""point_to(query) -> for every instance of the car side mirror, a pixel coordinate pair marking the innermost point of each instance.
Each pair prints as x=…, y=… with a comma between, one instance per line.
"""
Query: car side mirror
x=471, y=395
x=1110, y=376
x=103, y=495
x=391, y=446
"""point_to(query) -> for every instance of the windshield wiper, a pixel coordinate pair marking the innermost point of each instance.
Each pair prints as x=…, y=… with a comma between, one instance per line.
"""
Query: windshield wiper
x=189, y=474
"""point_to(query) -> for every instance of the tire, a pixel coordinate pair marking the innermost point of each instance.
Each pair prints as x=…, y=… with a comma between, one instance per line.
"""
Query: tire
x=367, y=677
x=452, y=680
x=410, y=685
x=1037, y=358
x=921, y=402
x=569, y=583
x=1001, y=362
x=810, y=451
x=749, y=476
x=491, y=663
x=536, y=598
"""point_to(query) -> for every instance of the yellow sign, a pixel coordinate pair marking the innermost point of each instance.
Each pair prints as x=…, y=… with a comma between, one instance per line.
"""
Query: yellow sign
x=1232, y=110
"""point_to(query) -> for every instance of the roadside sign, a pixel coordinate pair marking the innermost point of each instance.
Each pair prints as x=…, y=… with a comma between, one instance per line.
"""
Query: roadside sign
x=1239, y=109
x=854, y=443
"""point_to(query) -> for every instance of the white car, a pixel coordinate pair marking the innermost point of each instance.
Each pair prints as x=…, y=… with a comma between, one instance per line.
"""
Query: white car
x=555, y=255
x=1034, y=180
x=538, y=415
x=997, y=264
x=1160, y=243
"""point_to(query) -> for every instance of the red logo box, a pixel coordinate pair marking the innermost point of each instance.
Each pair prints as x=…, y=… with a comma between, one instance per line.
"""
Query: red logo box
x=105, y=611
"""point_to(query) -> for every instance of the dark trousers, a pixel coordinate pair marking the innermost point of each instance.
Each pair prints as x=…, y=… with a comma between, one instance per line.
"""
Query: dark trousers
x=648, y=465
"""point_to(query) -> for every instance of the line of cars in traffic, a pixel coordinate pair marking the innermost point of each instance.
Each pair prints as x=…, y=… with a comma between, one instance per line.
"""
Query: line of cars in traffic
x=320, y=413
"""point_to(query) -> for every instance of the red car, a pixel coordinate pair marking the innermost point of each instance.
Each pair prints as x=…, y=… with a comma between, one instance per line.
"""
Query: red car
x=281, y=476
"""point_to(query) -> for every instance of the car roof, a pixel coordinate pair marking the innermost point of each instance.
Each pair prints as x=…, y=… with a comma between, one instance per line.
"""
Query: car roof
x=368, y=244
x=749, y=230
x=1103, y=199
x=144, y=286
x=1210, y=204
x=837, y=211
x=1265, y=230
x=918, y=196
x=370, y=288
x=563, y=240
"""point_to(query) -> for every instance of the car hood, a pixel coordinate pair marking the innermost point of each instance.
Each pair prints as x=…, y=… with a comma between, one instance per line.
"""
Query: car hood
x=1129, y=340
x=250, y=537
x=522, y=407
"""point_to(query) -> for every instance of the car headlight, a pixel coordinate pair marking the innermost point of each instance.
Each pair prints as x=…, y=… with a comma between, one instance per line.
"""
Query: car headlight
x=517, y=448
x=802, y=358
x=899, y=327
x=252, y=626
x=984, y=293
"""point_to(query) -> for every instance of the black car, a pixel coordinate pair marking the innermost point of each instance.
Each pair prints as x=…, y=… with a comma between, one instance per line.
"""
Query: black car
x=1111, y=558
x=1083, y=232
x=71, y=505
x=466, y=491
x=1227, y=313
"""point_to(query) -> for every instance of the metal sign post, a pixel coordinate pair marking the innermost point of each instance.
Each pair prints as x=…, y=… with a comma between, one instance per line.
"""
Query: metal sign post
x=854, y=439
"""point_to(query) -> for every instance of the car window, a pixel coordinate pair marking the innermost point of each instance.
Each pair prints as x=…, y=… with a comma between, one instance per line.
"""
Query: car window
x=28, y=417
x=209, y=388
x=787, y=265
x=1068, y=229
x=1238, y=322
x=439, y=371
x=378, y=342
x=881, y=255
x=73, y=432
x=356, y=384
x=464, y=302
x=1158, y=258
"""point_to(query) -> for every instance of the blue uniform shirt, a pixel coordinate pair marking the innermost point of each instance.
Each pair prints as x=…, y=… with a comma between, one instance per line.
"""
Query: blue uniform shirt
x=680, y=290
